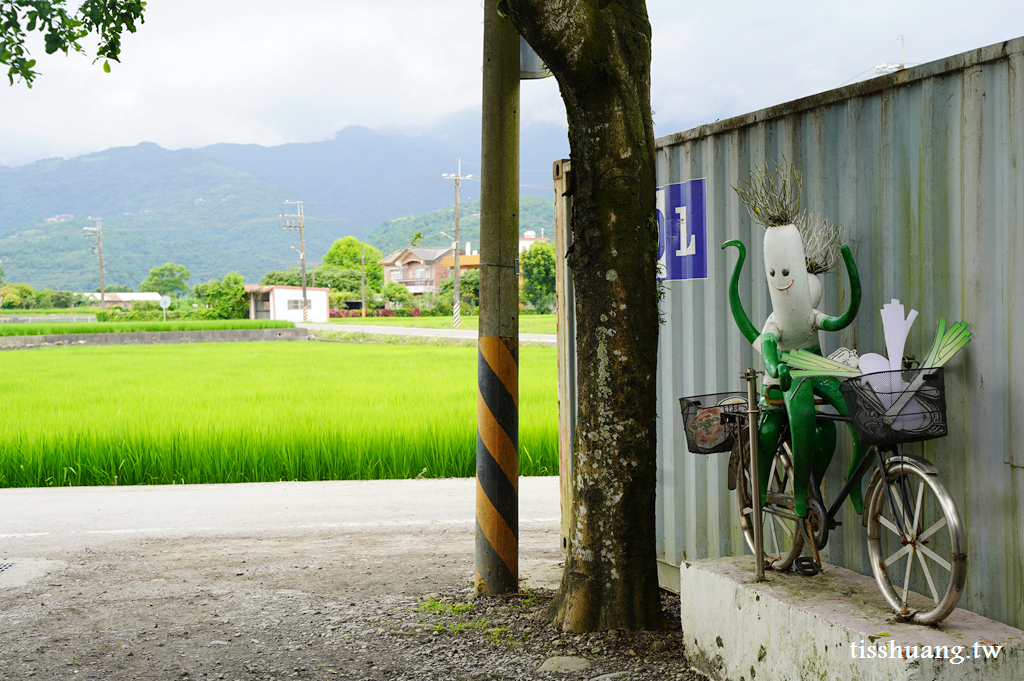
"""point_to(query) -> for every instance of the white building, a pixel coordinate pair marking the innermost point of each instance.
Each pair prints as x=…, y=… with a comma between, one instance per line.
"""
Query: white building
x=285, y=303
x=528, y=238
x=124, y=300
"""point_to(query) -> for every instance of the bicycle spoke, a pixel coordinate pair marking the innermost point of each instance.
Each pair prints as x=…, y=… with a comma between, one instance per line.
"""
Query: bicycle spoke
x=928, y=577
x=897, y=496
x=932, y=530
x=775, y=537
x=889, y=524
x=917, y=510
x=896, y=556
x=934, y=556
x=910, y=566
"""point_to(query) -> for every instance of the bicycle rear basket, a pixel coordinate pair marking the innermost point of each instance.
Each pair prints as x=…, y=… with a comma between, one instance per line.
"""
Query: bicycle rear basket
x=706, y=431
x=890, y=407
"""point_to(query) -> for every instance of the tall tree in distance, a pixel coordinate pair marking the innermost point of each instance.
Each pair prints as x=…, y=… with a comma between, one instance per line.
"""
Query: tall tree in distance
x=538, y=266
x=63, y=29
x=346, y=253
x=600, y=53
x=167, y=280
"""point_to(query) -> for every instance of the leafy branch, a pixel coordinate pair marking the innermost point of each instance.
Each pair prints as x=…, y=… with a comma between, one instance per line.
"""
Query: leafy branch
x=62, y=30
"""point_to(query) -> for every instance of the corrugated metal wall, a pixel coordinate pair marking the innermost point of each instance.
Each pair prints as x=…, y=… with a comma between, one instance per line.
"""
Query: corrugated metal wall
x=926, y=169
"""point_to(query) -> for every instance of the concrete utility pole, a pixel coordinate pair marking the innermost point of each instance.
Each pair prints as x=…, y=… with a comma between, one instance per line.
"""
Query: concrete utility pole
x=97, y=232
x=299, y=224
x=456, y=304
x=362, y=283
x=497, y=454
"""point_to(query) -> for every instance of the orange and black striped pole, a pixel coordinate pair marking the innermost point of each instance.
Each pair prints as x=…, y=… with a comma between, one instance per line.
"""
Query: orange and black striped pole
x=497, y=443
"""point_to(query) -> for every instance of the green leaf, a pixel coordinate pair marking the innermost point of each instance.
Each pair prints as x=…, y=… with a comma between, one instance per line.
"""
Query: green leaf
x=106, y=66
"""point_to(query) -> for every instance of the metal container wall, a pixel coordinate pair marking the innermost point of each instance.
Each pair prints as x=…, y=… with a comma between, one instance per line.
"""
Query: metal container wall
x=925, y=167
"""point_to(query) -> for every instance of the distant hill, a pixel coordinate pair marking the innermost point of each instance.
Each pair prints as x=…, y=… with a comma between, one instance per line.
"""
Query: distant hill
x=535, y=214
x=216, y=209
x=156, y=206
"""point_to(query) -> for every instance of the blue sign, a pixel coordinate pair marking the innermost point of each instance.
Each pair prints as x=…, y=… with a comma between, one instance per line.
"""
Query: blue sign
x=682, y=231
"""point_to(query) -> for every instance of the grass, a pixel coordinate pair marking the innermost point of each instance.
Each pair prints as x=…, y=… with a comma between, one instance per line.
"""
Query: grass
x=528, y=323
x=60, y=328
x=68, y=311
x=254, y=412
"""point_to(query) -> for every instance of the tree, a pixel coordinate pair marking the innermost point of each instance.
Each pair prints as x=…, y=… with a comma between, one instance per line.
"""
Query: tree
x=416, y=239
x=117, y=288
x=346, y=253
x=62, y=30
x=338, y=279
x=224, y=298
x=469, y=289
x=396, y=293
x=167, y=279
x=538, y=267
x=600, y=53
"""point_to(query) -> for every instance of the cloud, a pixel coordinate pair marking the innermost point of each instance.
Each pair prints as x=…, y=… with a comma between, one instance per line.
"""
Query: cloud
x=256, y=71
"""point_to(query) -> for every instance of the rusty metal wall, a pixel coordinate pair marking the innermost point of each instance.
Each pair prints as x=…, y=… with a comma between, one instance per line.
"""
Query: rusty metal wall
x=925, y=168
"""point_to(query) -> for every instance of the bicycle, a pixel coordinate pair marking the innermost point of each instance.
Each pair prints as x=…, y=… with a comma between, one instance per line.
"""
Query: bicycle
x=908, y=512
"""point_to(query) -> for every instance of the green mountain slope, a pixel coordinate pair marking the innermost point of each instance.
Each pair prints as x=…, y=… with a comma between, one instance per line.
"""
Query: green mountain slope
x=156, y=206
x=535, y=214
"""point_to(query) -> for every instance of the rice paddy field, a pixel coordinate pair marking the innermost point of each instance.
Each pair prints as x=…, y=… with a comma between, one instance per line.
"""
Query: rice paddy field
x=43, y=329
x=254, y=412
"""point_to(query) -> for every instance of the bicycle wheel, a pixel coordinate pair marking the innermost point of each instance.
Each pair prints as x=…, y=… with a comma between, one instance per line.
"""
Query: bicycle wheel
x=783, y=541
x=919, y=548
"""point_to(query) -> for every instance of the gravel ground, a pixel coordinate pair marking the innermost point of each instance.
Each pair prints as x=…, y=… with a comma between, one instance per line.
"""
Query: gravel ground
x=329, y=606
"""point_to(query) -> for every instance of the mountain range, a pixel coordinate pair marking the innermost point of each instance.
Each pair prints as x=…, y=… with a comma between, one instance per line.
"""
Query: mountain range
x=219, y=208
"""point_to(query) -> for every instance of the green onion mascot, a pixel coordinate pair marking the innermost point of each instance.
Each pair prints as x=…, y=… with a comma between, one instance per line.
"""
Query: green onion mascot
x=794, y=324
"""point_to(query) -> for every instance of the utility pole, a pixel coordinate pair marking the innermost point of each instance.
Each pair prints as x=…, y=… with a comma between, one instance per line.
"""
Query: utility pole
x=497, y=452
x=297, y=222
x=362, y=283
x=456, y=305
x=97, y=231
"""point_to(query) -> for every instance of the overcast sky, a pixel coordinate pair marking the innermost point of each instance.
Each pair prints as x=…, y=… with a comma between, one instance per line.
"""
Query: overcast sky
x=269, y=72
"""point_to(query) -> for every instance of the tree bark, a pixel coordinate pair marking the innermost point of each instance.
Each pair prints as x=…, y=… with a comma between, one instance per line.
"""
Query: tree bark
x=599, y=51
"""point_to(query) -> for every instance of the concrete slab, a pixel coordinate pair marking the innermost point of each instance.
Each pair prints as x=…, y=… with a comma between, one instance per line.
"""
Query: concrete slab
x=832, y=626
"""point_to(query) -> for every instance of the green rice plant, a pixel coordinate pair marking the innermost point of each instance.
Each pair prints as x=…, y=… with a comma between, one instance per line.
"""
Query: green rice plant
x=254, y=412
x=60, y=328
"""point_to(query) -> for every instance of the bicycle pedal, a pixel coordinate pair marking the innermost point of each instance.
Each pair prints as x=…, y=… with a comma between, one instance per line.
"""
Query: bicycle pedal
x=806, y=566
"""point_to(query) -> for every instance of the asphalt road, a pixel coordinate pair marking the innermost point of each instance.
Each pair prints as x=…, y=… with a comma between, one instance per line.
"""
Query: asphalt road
x=35, y=520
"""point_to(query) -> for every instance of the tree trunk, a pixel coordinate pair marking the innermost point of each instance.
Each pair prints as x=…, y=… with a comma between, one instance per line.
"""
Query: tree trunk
x=599, y=51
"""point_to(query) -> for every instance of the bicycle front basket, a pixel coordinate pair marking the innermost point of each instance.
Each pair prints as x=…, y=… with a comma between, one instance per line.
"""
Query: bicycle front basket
x=706, y=431
x=889, y=407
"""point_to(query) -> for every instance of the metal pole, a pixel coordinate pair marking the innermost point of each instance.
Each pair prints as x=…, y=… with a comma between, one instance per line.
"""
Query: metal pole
x=456, y=301
x=497, y=453
x=99, y=243
x=362, y=283
x=302, y=263
x=755, y=471
x=302, y=250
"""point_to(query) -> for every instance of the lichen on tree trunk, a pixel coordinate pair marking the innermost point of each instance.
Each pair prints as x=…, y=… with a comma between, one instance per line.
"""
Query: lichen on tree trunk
x=599, y=51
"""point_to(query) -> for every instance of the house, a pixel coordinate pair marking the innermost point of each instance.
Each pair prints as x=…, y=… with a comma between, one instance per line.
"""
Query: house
x=124, y=300
x=528, y=238
x=285, y=303
x=418, y=269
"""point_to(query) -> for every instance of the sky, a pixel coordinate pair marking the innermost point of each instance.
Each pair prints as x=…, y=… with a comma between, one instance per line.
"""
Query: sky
x=201, y=72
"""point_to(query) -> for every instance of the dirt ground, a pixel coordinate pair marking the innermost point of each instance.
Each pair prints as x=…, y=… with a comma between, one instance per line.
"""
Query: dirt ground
x=335, y=605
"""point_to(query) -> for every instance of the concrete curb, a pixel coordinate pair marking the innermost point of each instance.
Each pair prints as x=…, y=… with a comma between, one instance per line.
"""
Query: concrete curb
x=153, y=338
x=830, y=626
